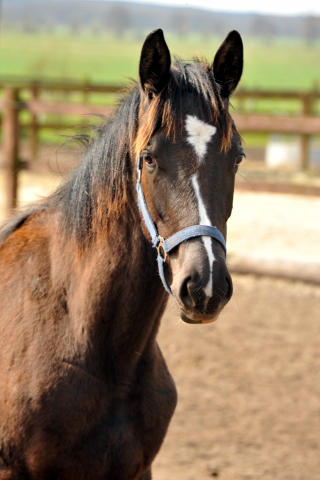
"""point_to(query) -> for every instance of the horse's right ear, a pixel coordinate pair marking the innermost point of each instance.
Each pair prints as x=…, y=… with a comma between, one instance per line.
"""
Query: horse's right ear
x=154, y=64
x=228, y=64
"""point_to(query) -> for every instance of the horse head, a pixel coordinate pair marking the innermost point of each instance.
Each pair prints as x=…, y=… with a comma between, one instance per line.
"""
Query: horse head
x=189, y=151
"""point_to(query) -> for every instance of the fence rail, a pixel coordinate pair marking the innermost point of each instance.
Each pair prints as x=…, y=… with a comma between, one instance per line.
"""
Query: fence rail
x=305, y=123
x=295, y=125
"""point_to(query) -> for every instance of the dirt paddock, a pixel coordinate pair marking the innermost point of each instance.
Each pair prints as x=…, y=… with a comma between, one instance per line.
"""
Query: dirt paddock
x=248, y=386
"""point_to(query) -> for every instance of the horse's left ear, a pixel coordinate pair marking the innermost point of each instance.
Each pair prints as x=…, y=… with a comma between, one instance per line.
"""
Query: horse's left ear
x=154, y=64
x=228, y=64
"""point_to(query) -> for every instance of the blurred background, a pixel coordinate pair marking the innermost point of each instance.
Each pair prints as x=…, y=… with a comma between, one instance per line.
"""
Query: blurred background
x=249, y=391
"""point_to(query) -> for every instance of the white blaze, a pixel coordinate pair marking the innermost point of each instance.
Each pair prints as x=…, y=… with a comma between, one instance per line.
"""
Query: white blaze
x=199, y=134
x=204, y=220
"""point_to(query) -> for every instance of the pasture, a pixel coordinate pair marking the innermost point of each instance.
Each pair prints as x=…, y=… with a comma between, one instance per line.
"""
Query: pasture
x=281, y=64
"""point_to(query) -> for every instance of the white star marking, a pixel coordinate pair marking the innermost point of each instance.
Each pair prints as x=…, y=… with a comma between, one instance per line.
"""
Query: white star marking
x=199, y=134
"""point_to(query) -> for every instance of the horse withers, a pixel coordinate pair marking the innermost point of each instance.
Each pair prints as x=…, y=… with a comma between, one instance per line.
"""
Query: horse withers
x=85, y=274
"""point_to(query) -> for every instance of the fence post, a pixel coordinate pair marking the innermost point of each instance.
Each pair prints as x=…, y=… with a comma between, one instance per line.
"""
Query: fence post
x=11, y=146
x=305, y=139
x=85, y=97
x=85, y=92
x=34, y=124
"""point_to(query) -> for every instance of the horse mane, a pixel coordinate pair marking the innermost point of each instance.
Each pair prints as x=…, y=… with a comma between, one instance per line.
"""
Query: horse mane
x=14, y=223
x=96, y=191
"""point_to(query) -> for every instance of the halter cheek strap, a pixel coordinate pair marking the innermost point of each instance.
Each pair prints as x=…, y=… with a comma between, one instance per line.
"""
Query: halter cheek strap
x=165, y=246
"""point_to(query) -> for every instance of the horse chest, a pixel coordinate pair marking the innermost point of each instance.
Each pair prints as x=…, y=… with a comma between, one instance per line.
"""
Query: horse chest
x=129, y=435
x=92, y=431
x=131, y=430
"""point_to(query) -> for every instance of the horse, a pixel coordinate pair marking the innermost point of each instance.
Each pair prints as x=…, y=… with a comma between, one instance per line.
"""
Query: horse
x=86, y=273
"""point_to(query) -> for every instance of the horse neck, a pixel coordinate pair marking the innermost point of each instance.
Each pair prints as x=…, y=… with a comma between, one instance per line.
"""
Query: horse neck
x=117, y=296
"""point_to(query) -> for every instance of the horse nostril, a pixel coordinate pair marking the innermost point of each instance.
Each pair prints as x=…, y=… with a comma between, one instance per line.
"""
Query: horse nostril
x=230, y=289
x=190, y=291
x=185, y=294
x=192, y=294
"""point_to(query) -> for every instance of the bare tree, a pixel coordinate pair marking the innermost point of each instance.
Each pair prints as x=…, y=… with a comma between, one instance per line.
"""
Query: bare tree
x=179, y=23
x=75, y=24
x=208, y=26
x=119, y=19
x=96, y=28
x=49, y=25
x=28, y=24
x=311, y=29
x=264, y=28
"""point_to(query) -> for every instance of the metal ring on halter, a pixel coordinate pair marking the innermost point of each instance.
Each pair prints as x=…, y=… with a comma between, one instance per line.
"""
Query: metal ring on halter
x=160, y=248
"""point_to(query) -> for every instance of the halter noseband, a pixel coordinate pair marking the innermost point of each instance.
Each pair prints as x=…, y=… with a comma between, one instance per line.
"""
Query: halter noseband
x=165, y=246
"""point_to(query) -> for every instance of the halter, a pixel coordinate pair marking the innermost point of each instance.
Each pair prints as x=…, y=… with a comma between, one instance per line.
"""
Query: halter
x=165, y=246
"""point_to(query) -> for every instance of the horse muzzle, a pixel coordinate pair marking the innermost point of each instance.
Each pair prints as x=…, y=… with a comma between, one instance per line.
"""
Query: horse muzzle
x=200, y=289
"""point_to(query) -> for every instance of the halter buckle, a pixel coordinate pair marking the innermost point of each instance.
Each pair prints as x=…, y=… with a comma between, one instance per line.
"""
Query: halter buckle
x=160, y=248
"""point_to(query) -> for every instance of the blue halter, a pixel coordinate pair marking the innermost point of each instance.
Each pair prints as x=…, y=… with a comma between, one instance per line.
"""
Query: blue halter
x=165, y=246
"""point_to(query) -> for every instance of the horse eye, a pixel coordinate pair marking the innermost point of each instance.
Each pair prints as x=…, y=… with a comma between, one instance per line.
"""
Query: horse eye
x=148, y=158
x=239, y=160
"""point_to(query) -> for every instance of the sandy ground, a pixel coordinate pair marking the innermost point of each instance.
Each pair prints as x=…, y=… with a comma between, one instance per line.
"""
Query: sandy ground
x=248, y=385
x=249, y=389
x=276, y=226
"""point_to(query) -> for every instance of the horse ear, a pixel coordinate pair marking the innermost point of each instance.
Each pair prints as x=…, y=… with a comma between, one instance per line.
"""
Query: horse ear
x=155, y=63
x=228, y=64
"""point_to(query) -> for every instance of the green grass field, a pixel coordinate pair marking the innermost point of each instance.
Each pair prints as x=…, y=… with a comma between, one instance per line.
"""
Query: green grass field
x=284, y=64
x=281, y=65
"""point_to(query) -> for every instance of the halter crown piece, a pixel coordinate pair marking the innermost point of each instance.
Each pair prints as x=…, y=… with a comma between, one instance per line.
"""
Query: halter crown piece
x=165, y=246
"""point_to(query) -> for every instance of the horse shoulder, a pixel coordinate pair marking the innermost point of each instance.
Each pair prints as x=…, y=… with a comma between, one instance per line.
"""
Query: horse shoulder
x=25, y=347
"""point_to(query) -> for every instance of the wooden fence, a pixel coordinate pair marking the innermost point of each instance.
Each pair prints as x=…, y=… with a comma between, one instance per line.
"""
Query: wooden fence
x=304, y=123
